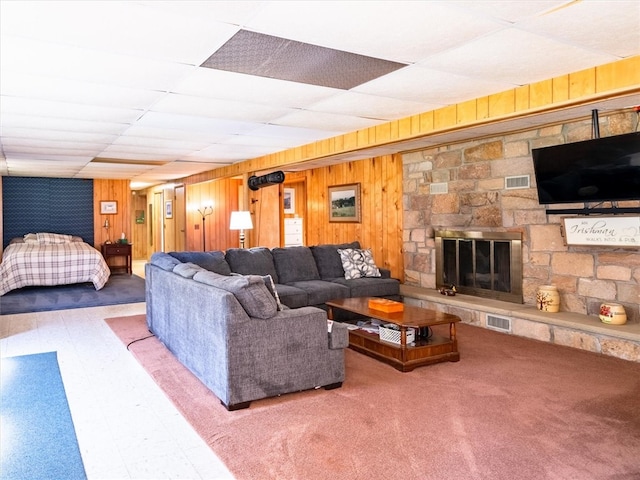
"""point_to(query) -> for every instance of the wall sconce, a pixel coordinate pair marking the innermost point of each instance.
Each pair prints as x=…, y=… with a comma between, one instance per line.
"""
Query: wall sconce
x=204, y=212
x=241, y=221
x=106, y=227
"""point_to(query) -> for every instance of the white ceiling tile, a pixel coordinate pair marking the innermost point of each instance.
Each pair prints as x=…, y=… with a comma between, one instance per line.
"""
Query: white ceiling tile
x=507, y=56
x=370, y=106
x=138, y=130
x=75, y=111
x=420, y=28
x=118, y=27
x=194, y=123
x=206, y=82
x=217, y=108
x=36, y=57
x=52, y=135
x=37, y=123
x=511, y=11
x=432, y=87
x=71, y=91
x=329, y=122
x=567, y=24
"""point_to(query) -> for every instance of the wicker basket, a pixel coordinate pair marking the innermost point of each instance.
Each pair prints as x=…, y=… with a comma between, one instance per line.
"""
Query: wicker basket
x=391, y=333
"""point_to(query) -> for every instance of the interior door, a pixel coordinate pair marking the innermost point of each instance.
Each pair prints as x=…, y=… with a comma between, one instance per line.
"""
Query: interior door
x=158, y=222
x=180, y=219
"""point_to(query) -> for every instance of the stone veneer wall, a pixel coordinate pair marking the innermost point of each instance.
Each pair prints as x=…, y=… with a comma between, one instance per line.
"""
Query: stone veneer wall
x=475, y=172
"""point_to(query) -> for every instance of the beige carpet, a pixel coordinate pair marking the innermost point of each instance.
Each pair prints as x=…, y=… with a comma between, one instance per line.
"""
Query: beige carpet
x=512, y=408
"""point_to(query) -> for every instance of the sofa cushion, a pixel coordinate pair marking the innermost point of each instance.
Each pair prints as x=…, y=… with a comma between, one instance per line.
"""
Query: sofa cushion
x=212, y=261
x=321, y=291
x=252, y=261
x=371, y=286
x=328, y=259
x=295, y=264
x=292, y=297
x=249, y=290
x=187, y=270
x=164, y=261
x=358, y=263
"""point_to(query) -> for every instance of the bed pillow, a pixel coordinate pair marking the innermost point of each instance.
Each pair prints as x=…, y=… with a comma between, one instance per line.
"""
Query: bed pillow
x=53, y=238
x=358, y=263
x=30, y=238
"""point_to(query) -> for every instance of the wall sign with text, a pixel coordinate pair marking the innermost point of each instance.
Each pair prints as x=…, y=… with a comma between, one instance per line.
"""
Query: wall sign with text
x=615, y=231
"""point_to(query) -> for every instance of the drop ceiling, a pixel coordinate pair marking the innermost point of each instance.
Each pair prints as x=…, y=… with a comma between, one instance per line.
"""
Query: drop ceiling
x=153, y=91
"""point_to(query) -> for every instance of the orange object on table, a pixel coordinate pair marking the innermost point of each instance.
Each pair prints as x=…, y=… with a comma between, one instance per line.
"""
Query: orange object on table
x=385, y=305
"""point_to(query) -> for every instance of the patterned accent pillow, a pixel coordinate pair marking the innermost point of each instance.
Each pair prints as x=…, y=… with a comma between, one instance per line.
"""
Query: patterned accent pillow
x=358, y=263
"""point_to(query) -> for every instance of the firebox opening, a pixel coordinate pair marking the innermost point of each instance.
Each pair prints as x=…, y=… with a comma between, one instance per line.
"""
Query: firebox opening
x=483, y=264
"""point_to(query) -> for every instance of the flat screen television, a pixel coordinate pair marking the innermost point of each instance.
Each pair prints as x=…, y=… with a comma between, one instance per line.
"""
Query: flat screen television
x=598, y=170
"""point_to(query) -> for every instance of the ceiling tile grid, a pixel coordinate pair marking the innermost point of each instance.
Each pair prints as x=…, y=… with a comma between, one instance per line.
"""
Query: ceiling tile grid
x=83, y=82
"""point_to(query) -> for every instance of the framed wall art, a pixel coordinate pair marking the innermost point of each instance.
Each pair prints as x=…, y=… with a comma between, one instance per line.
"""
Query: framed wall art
x=344, y=203
x=289, y=200
x=168, y=209
x=109, y=207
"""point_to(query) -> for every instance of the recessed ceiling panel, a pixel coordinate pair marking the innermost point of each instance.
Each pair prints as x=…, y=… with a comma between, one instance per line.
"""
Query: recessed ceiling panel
x=273, y=57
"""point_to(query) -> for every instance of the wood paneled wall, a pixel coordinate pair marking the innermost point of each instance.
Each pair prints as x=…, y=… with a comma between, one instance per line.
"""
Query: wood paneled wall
x=223, y=196
x=380, y=230
x=111, y=190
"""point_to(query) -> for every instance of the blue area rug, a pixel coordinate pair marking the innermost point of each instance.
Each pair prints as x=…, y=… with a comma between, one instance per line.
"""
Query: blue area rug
x=119, y=289
x=37, y=436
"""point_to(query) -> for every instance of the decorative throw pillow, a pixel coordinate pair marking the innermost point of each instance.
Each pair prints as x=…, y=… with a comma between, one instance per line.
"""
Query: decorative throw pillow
x=358, y=263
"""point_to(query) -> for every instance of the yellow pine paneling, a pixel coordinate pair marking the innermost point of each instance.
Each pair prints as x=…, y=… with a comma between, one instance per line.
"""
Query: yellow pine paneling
x=466, y=112
x=561, y=89
x=502, y=104
x=522, y=98
x=445, y=118
x=625, y=73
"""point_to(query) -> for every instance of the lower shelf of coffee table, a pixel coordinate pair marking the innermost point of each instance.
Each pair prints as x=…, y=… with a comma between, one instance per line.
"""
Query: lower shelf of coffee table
x=424, y=352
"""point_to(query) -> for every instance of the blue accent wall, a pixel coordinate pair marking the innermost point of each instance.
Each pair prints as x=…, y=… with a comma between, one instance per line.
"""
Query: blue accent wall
x=56, y=205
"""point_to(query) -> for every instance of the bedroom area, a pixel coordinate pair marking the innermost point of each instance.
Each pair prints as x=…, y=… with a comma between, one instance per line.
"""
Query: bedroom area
x=53, y=232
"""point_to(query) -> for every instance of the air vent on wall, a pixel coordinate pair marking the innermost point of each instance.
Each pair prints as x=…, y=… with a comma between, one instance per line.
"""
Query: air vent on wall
x=500, y=324
x=438, y=188
x=520, y=181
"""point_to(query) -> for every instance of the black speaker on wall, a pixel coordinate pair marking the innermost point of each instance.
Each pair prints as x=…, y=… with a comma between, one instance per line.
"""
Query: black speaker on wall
x=274, y=178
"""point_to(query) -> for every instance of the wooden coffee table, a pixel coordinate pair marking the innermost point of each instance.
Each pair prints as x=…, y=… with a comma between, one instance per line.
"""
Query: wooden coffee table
x=424, y=351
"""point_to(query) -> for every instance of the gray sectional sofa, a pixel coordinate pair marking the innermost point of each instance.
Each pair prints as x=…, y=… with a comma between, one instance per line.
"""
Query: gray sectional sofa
x=231, y=334
x=252, y=323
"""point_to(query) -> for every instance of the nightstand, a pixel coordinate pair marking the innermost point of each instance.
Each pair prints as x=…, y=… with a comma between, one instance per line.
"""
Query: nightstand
x=118, y=250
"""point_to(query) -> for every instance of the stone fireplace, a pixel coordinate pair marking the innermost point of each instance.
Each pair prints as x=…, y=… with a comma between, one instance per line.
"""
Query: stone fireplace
x=483, y=264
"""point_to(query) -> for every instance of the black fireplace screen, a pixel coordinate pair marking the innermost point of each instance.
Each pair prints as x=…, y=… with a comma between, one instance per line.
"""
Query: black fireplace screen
x=483, y=264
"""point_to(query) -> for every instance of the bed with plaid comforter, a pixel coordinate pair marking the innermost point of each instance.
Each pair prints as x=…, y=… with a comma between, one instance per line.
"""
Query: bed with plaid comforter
x=43, y=264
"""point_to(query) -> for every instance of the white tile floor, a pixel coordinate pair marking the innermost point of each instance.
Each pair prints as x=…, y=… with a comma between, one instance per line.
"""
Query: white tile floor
x=126, y=426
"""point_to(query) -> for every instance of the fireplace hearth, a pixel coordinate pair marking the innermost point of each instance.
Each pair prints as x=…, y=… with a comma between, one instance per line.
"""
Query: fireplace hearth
x=483, y=264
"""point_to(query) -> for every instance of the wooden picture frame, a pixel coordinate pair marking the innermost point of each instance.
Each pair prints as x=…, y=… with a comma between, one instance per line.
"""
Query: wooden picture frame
x=344, y=203
x=108, y=207
x=168, y=209
x=289, y=200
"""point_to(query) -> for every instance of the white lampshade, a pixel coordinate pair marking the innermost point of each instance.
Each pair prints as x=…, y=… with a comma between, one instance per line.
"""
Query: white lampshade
x=241, y=221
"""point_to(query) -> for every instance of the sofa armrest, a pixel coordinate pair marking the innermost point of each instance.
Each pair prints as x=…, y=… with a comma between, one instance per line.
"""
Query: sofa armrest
x=338, y=335
x=384, y=273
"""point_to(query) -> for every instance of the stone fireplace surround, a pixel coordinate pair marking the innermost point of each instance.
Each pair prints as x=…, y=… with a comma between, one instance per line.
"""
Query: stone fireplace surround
x=476, y=199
